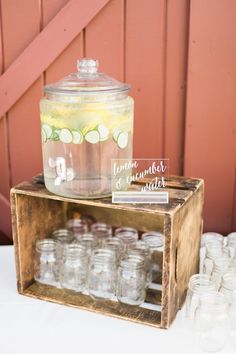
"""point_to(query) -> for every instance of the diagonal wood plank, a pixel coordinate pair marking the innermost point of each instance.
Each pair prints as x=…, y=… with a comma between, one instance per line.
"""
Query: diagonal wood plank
x=44, y=49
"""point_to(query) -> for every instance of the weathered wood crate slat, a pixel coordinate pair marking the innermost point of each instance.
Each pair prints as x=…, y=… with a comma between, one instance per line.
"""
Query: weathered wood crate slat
x=37, y=212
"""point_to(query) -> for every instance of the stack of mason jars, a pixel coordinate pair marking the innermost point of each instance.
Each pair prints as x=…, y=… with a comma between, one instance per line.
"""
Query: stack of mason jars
x=89, y=259
x=211, y=297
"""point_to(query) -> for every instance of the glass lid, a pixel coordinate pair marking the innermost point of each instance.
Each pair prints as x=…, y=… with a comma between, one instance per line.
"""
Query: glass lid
x=86, y=81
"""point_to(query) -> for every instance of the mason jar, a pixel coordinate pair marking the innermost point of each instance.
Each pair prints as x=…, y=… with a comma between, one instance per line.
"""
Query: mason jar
x=231, y=242
x=199, y=284
x=141, y=248
x=131, y=282
x=212, y=238
x=155, y=242
x=102, y=274
x=62, y=237
x=128, y=235
x=77, y=226
x=46, y=266
x=213, y=251
x=212, y=322
x=101, y=231
x=220, y=267
x=116, y=245
x=86, y=121
x=74, y=268
x=232, y=317
x=89, y=241
x=228, y=286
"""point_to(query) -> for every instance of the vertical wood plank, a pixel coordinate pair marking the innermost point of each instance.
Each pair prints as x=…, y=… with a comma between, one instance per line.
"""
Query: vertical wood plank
x=104, y=39
x=21, y=23
x=234, y=203
x=5, y=228
x=175, y=82
x=210, y=148
x=145, y=54
x=4, y=167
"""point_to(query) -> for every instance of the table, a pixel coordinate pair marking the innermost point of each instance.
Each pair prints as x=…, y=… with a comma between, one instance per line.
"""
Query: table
x=31, y=326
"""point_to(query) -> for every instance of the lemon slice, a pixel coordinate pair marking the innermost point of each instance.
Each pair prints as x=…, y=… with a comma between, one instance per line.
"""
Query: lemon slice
x=122, y=140
x=65, y=136
x=92, y=137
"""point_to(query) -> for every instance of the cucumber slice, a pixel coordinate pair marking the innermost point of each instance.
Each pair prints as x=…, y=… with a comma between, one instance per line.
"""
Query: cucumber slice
x=116, y=133
x=44, y=135
x=65, y=136
x=92, y=137
x=122, y=140
x=103, y=132
x=77, y=137
x=48, y=130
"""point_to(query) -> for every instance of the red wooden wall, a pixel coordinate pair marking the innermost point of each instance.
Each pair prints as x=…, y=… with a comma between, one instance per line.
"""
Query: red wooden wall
x=178, y=55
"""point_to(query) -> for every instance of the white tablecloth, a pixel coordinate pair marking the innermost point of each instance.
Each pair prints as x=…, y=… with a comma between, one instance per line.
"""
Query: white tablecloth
x=32, y=326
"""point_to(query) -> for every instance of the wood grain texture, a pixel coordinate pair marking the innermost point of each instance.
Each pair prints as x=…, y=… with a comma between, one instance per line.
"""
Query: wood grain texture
x=51, y=42
x=36, y=213
x=175, y=82
x=210, y=145
x=109, y=308
x=144, y=69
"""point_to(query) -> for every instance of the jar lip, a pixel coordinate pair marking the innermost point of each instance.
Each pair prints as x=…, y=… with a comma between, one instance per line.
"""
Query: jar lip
x=74, y=251
x=76, y=223
x=132, y=261
x=113, y=241
x=153, y=239
x=99, y=254
x=61, y=232
x=46, y=245
x=201, y=283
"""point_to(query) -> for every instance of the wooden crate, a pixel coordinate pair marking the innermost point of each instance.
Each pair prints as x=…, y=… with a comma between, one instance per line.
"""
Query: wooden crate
x=37, y=212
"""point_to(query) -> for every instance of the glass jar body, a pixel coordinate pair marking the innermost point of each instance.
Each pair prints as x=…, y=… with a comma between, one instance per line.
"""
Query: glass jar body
x=102, y=274
x=212, y=322
x=131, y=282
x=79, y=139
x=46, y=266
x=74, y=268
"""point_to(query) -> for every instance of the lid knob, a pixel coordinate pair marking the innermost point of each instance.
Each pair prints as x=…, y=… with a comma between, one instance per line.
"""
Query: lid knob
x=87, y=65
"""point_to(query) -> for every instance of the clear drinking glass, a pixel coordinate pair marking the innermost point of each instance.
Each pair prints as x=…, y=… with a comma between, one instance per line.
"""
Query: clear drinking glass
x=102, y=274
x=74, y=268
x=155, y=241
x=77, y=226
x=131, y=283
x=102, y=231
x=141, y=248
x=128, y=235
x=228, y=286
x=199, y=284
x=212, y=322
x=46, y=271
x=86, y=120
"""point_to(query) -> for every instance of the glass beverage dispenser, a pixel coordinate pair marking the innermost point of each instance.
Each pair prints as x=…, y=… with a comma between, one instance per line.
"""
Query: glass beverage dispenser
x=86, y=120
